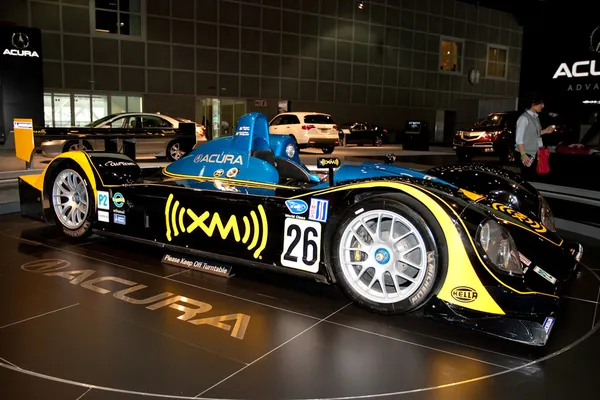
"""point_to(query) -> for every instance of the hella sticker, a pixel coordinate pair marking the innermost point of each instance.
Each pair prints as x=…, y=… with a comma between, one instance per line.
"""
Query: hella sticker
x=296, y=207
x=464, y=294
x=103, y=216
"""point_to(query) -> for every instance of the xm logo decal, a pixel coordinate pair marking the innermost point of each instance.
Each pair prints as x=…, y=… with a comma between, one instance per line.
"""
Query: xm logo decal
x=238, y=323
x=536, y=226
x=181, y=220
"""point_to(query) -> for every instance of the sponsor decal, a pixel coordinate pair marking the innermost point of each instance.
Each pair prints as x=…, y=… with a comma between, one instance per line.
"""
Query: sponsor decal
x=225, y=188
x=219, y=159
x=301, y=245
x=232, y=173
x=119, y=164
x=318, y=210
x=328, y=162
x=464, y=294
x=103, y=200
x=119, y=219
x=536, y=226
x=296, y=206
x=22, y=125
x=188, y=307
x=117, y=211
x=103, y=216
x=548, y=324
x=429, y=279
x=118, y=200
x=243, y=131
x=544, y=274
x=254, y=231
x=218, y=173
x=524, y=259
x=197, y=264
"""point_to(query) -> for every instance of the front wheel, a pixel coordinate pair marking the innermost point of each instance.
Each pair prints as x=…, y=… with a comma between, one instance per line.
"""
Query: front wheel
x=327, y=150
x=73, y=202
x=174, y=151
x=385, y=255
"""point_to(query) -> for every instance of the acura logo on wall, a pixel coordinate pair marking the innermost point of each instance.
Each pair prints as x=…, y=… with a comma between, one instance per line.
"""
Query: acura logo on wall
x=20, y=42
x=595, y=40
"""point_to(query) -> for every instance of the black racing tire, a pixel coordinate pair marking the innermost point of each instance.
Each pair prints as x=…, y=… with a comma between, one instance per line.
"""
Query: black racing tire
x=75, y=143
x=85, y=229
x=433, y=239
x=328, y=150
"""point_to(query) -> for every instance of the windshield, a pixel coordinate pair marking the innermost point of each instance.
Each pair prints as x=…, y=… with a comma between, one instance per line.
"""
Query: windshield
x=318, y=119
x=492, y=120
x=100, y=121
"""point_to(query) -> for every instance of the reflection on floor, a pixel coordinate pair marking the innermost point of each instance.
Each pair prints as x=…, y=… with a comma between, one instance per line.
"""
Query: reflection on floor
x=71, y=319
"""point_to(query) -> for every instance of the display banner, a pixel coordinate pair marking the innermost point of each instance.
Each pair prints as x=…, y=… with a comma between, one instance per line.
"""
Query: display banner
x=21, y=77
x=197, y=264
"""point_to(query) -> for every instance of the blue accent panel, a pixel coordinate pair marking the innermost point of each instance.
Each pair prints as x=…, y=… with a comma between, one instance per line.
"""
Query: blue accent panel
x=230, y=157
x=375, y=170
x=221, y=186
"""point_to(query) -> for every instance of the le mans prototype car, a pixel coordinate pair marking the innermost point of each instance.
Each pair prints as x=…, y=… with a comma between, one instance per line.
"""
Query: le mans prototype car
x=469, y=244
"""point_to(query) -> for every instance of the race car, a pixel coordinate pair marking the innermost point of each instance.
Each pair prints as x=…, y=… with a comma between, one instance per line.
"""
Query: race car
x=469, y=244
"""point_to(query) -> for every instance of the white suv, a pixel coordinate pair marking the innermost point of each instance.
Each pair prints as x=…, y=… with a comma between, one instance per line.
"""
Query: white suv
x=309, y=128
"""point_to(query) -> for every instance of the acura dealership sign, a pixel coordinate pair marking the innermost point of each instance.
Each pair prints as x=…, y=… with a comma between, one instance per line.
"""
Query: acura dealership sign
x=579, y=69
x=20, y=43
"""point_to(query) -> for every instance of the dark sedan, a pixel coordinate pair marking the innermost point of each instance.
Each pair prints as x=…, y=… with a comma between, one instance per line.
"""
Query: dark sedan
x=361, y=133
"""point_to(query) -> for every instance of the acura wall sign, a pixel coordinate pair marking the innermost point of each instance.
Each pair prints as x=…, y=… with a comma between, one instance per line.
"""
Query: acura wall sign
x=20, y=44
x=595, y=40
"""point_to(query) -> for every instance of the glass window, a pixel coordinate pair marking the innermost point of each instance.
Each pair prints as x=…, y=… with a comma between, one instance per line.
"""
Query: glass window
x=99, y=106
x=134, y=104
x=451, y=55
x=496, y=62
x=318, y=119
x=117, y=123
x=62, y=110
x=154, y=122
x=276, y=121
x=48, y=109
x=118, y=104
x=123, y=17
x=81, y=109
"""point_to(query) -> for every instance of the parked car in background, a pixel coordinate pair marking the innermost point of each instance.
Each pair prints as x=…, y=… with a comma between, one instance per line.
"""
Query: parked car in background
x=311, y=129
x=496, y=133
x=361, y=133
x=168, y=145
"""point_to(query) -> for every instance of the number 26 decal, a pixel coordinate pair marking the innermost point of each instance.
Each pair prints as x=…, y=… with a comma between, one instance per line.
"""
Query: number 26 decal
x=301, y=245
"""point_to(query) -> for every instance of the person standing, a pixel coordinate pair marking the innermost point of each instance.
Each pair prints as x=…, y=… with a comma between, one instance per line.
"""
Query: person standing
x=529, y=137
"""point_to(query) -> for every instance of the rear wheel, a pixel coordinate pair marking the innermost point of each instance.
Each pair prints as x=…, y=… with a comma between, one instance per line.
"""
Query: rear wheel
x=73, y=202
x=385, y=255
x=328, y=150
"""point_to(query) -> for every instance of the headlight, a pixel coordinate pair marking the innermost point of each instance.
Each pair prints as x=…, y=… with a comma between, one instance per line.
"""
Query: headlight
x=290, y=151
x=546, y=215
x=499, y=247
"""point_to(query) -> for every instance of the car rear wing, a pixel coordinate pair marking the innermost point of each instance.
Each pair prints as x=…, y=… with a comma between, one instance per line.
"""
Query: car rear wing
x=27, y=137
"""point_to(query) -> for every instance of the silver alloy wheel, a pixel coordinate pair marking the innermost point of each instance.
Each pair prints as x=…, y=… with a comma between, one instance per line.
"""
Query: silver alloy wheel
x=70, y=199
x=175, y=151
x=383, y=256
x=75, y=147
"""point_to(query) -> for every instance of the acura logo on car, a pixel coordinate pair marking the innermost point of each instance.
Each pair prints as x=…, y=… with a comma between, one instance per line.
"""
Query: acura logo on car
x=20, y=40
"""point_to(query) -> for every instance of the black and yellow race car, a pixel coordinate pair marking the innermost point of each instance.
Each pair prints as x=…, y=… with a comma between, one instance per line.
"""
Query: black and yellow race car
x=473, y=244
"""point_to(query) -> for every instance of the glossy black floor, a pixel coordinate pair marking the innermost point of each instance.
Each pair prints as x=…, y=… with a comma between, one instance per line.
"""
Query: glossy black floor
x=64, y=339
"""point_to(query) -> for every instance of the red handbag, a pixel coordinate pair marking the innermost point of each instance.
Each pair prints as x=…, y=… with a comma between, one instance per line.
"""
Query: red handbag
x=543, y=165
